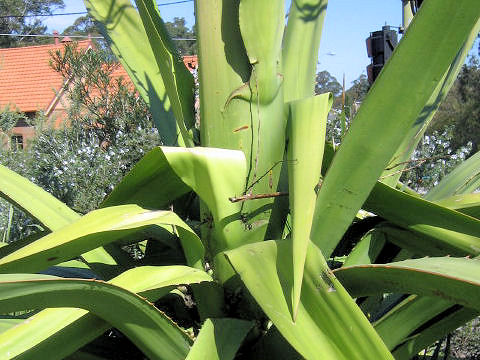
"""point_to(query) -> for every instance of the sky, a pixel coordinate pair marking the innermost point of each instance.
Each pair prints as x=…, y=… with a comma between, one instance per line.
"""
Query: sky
x=342, y=50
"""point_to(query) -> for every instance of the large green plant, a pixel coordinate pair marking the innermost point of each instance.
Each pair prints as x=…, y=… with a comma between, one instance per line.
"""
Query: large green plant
x=260, y=264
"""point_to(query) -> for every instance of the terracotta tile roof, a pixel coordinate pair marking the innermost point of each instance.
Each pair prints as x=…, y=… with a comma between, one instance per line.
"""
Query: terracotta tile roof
x=26, y=79
x=28, y=83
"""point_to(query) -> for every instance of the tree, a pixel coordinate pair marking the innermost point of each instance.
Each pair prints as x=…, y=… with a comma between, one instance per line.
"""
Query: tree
x=433, y=159
x=462, y=109
x=84, y=25
x=324, y=82
x=345, y=108
x=108, y=129
x=308, y=276
x=99, y=100
x=358, y=91
x=21, y=17
x=178, y=30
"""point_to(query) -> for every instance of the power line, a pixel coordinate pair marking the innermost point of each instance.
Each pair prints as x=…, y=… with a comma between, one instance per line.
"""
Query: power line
x=175, y=2
x=52, y=36
x=80, y=12
x=76, y=36
x=42, y=15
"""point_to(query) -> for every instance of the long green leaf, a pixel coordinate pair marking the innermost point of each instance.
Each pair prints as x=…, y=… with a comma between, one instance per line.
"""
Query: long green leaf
x=120, y=24
x=415, y=243
x=263, y=51
x=438, y=225
x=454, y=279
x=272, y=346
x=301, y=44
x=367, y=249
x=468, y=204
x=440, y=329
x=230, y=118
x=154, y=333
x=219, y=339
x=35, y=201
x=411, y=140
x=307, y=128
x=464, y=179
x=177, y=79
x=169, y=172
x=328, y=325
x=390, y=109
x=151, y=183
x=50, y=212
x=408, y=316
x=95, y=229
x=39, y=336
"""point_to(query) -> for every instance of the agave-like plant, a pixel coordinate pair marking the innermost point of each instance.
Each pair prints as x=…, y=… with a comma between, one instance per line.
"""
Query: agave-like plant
x=277, y=205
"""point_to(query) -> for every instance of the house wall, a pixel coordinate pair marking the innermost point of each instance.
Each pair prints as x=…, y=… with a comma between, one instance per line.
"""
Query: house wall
x=27, y=133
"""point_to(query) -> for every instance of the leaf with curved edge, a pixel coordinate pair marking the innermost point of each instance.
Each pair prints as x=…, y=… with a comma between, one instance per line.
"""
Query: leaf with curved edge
x=466, y=203
x=75, y=269
x=97, y=228
x=328, y=321
x=404, y=152
x=412, y=314
x=35, y=201
x=214, y=174
x=457, y=181
x=148, y=328
x=418, y=321
x=463, y=179
x=263, y=51
x=178, y=81
x=307, y=128
x=367, y=249
x=151, y=183
x=454, y=279
x=391, y=107
x=50, y=212
x=230, y=121
x=438, y=225
x=408, y=316
x=415, y=243
x=120, y=24
x=419, y=315
x=74, y=328
x=153, y=282
x=301, y=44
x=272, y=345
x=418, y=342
x=219, y=339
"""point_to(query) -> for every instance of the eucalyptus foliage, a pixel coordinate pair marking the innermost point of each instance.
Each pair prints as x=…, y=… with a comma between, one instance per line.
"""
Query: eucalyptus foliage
x=267, y=215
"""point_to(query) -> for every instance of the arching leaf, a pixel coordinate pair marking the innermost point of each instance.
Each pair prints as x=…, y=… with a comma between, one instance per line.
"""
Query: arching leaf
x=454, y=279
x=154, y=333
x=398, y=95
x=39, y=336
x=96, y=229
x=219, y=339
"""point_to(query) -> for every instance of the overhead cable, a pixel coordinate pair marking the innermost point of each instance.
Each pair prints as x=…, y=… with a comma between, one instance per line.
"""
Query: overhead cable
x=80, y=12
x=75, y=36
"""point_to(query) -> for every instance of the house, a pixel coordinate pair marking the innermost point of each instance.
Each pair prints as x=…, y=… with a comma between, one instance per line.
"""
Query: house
x=28, y=84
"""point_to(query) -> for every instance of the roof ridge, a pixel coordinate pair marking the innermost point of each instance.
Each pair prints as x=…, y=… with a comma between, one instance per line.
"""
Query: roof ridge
x=44, y=45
